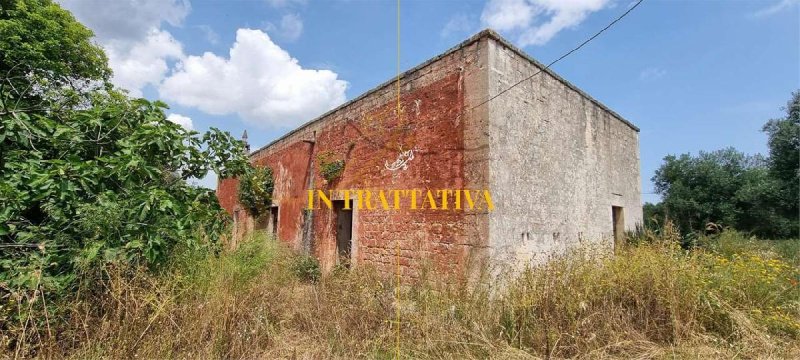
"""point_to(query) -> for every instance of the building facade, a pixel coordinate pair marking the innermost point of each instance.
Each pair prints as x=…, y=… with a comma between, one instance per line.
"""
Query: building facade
x=559, y=168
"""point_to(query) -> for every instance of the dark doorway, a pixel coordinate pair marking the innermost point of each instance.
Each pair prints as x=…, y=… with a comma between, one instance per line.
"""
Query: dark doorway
x=344, y=231
x=273, y=215
x=618, y=220
x=262, y=222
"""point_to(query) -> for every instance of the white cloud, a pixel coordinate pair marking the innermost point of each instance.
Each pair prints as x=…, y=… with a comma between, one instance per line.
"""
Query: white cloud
x=130, y=20
x=290, y=28
x=775, y=8
x=141, y=63
x=535, y=22
x=458, y=24
x=652, y=73
x=130, y=32
x=259, y=81
x=181, y=120
x=505, y=15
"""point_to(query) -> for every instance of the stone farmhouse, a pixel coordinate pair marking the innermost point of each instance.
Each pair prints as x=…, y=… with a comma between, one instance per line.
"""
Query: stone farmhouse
x=561, y=169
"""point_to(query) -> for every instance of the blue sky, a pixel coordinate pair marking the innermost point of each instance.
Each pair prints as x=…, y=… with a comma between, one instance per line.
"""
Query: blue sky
x=693, y=75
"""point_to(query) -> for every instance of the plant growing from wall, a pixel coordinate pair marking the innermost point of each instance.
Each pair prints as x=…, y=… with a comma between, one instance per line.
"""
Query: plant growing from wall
x=330, y=169
x=255, y=190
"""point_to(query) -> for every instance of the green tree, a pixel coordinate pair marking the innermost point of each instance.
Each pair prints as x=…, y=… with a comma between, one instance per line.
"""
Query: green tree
x=43, y=46
x=88, y=175
x=784, y=161
x=726, y=187
x=653, y=214
x=696, y=190
x=757, y=200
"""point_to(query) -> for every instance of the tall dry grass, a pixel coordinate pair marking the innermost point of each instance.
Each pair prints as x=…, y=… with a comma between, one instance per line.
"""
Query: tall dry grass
x=653, y=300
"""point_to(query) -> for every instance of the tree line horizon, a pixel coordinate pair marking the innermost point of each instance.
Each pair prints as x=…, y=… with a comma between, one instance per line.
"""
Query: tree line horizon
x=727, y=188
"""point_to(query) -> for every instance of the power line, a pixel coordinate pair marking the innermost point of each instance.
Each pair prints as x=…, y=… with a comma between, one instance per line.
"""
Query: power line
x=562, y=56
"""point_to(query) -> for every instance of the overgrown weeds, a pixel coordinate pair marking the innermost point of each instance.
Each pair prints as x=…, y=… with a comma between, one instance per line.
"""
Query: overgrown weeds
x=649, y=301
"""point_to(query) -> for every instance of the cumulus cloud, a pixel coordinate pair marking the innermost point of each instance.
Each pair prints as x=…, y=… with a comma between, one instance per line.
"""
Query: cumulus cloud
x=535, y=22
x=144, y=62
x=181, y=120
x=127, y=19
x=290, y=27
x=259, y=81
x=505, y=15
x=130, y=32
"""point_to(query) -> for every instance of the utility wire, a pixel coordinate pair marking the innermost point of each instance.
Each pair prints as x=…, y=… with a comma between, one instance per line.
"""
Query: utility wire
x=562, y=56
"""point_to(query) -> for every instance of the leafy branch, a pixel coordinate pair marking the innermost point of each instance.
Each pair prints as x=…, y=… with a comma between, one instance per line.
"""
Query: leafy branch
x=255, y=190
x=330, y=169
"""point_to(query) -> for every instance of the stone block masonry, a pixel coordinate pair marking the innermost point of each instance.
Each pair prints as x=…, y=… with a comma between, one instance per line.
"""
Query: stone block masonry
x=555, y=161
x=560, y=162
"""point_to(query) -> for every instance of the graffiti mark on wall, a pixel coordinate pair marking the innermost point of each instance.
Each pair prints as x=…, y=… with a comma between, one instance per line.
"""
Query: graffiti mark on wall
x=402, y=161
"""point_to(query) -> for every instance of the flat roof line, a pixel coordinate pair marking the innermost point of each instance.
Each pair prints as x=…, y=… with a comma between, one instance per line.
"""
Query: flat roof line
x=494, y=35
x=486, y=33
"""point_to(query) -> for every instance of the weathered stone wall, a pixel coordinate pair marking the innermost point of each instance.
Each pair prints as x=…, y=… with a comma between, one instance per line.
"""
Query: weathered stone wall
x=449, y=150
x=554, y=159
x=559, y=161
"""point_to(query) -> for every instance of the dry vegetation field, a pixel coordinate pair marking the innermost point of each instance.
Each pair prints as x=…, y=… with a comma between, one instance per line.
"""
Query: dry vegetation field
x=730, y=297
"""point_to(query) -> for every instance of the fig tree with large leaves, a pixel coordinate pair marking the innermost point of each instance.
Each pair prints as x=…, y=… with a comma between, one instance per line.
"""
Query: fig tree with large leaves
x=88, y=175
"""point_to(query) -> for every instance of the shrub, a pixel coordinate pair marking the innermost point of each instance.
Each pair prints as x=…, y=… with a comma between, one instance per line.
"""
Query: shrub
x=306, y=267
x=91, y=178
x=255, y=190
x=751, y=276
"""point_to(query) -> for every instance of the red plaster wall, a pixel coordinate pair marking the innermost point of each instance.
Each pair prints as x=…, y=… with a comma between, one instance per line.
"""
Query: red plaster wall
x=226, y=193
x=367, y=134
x=290, y=167
x=433, y=129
